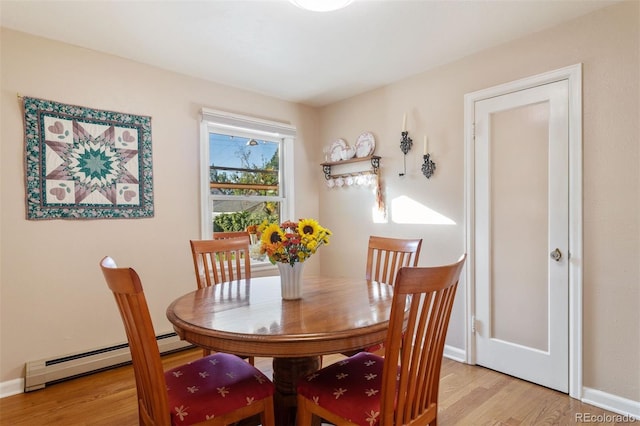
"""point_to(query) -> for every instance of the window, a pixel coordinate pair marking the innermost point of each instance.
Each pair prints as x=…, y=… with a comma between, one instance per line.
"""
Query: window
x=245, y=169
x=244, y=181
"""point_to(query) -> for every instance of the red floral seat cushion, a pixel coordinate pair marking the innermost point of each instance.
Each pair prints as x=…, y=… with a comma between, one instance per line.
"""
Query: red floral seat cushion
x=213, y=385
x=349, y=388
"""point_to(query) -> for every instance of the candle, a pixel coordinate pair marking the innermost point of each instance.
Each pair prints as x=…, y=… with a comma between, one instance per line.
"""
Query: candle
x=426, y=145
x=404, y=123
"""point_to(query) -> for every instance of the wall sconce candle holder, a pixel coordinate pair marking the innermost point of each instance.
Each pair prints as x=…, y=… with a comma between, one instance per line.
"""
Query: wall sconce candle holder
x=428, y=166
x=405, y=147
x=405, y=143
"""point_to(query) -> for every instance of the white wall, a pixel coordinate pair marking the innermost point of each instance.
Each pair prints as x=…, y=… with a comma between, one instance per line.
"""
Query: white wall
x=607, y=43
x=54, y=300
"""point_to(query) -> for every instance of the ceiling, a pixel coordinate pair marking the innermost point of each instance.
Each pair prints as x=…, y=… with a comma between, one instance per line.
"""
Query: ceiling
x=274, y=48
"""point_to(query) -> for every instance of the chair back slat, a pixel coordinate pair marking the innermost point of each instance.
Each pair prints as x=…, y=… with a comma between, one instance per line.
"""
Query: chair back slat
x=145, y=355
x=421, y=308
x=221, y=260
x=229, y=234
x=385, y=256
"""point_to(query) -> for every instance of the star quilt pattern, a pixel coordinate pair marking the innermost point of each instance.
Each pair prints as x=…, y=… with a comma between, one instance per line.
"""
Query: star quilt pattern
x=84, y=163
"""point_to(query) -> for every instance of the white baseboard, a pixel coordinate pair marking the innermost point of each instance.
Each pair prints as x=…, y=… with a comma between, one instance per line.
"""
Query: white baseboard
x=39, y=373
x=11, y=387
x=609, y=402
x=454, y=353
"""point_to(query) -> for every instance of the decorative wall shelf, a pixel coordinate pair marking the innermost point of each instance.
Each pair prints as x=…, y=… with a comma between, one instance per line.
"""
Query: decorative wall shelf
x=374, y=160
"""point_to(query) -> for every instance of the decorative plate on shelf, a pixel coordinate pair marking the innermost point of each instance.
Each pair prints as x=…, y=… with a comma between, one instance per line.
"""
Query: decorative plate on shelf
x=365, y=145
x=336, y=149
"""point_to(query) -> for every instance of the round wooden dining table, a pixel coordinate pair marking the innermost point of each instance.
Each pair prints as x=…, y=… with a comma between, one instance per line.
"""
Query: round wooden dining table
x=250, y=318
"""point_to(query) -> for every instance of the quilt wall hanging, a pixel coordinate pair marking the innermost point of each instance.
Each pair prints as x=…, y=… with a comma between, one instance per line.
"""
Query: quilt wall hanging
x=84, y=163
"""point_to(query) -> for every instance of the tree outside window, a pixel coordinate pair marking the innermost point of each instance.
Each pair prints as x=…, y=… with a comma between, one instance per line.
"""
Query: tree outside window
x=244, y=181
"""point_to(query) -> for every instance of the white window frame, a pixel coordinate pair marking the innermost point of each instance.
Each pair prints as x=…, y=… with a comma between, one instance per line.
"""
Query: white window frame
x=215, y=121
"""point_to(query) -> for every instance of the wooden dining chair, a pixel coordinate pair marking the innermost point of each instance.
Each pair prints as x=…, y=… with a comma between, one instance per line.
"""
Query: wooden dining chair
x=400, y=388
x=385, y=256
x=220, y=389
x=222, y=261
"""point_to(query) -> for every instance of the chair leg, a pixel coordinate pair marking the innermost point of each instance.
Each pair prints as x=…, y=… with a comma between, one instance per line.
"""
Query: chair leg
x=268, y=417
x=303, y=415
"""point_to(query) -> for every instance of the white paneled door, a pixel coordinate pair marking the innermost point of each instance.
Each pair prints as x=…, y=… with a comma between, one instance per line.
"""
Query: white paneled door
x=521, y=161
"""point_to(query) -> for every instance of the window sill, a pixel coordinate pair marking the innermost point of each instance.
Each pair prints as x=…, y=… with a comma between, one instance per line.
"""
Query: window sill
x=263, y=269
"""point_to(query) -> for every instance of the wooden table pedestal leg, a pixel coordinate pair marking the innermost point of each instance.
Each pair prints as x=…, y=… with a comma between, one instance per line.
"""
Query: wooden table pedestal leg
x=286, y=372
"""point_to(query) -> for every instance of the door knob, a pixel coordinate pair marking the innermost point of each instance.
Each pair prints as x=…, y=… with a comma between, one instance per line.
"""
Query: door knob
x=556, y=255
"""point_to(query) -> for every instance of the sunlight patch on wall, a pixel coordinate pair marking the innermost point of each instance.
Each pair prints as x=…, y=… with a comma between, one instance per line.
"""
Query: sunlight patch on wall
x=408, y=211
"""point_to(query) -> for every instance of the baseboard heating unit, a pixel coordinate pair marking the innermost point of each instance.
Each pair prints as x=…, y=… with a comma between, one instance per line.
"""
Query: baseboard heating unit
x=48, y=371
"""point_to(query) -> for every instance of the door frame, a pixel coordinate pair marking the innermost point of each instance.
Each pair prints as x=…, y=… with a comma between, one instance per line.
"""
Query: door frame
x=573, y=74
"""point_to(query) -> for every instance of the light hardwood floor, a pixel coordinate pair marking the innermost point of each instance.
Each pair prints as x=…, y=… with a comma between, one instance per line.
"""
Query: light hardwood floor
x=469, y=395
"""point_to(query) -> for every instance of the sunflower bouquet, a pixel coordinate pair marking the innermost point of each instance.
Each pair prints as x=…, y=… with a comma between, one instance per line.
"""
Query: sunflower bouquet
x=292, y=242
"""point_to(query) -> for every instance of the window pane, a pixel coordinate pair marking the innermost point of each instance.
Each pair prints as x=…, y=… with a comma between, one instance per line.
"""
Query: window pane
x=243, y=170
x=236, y=215
x=243, y=167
